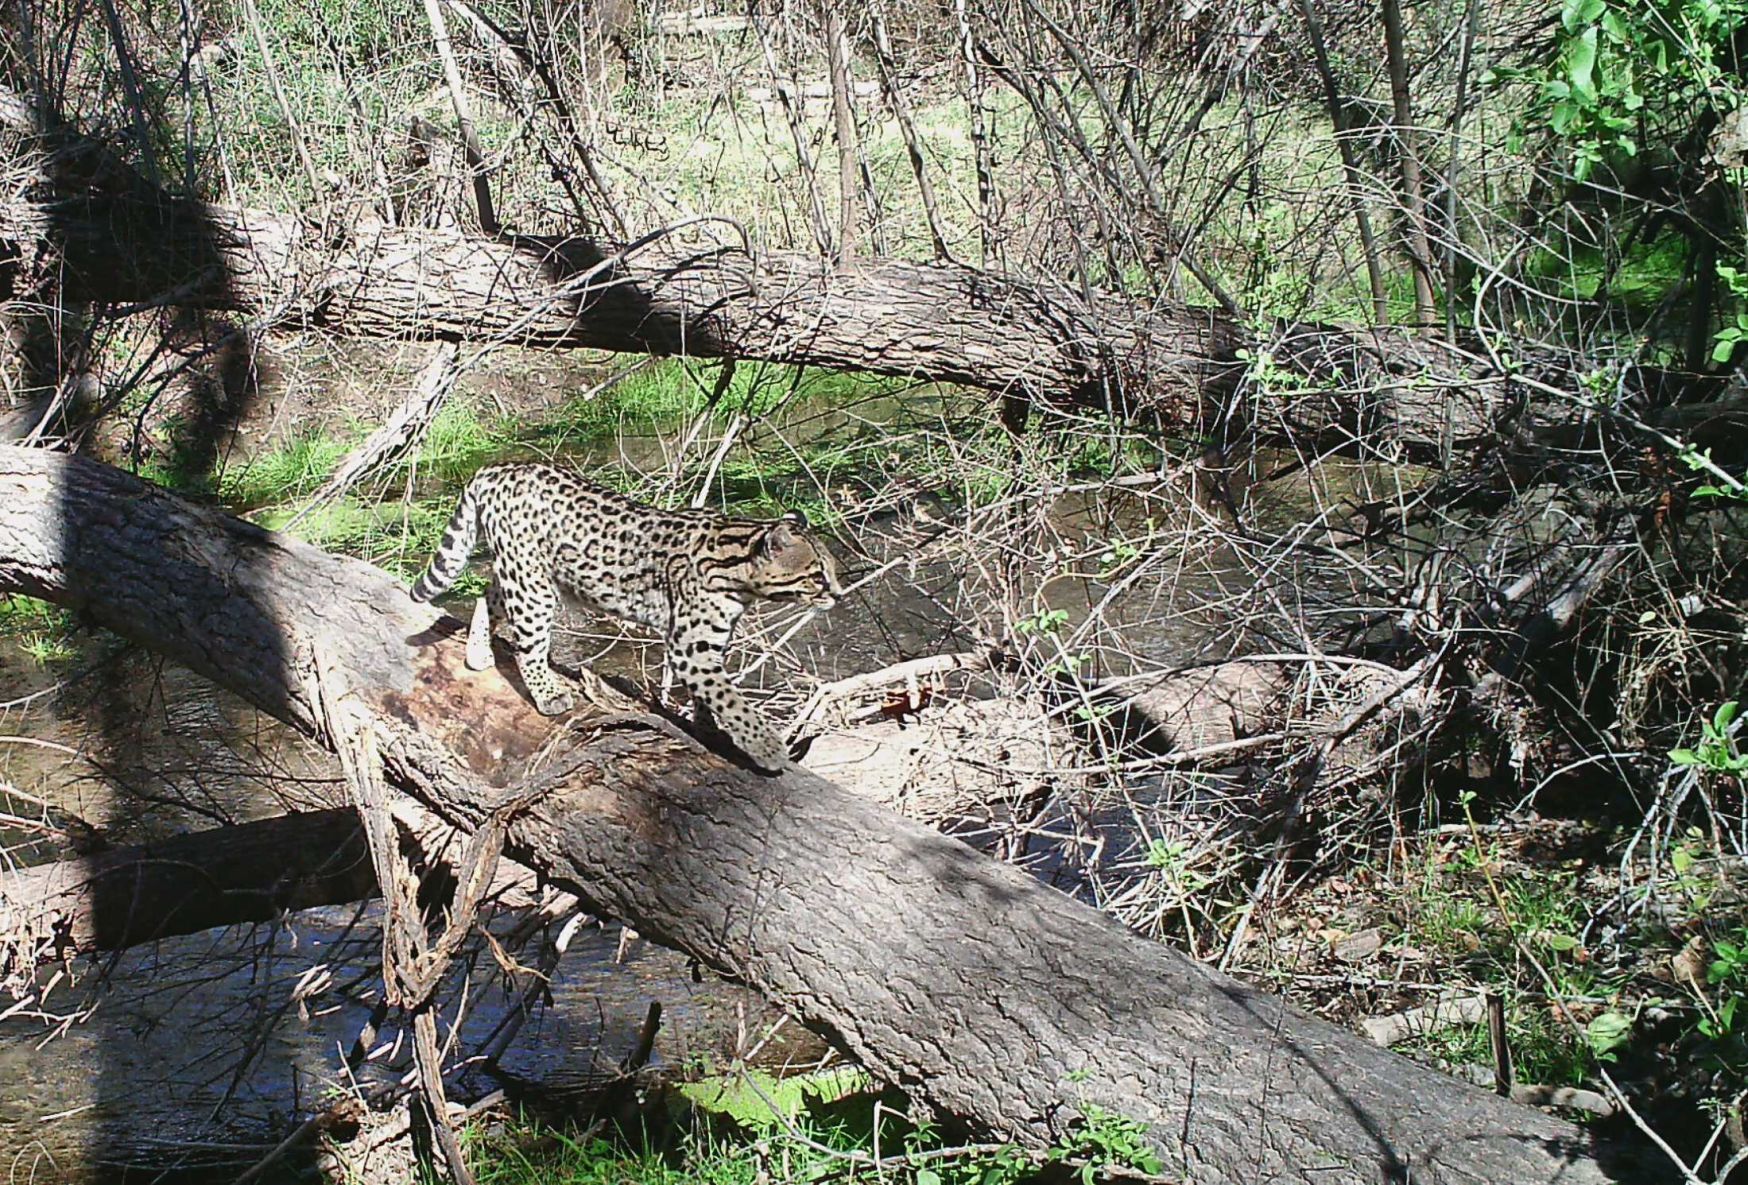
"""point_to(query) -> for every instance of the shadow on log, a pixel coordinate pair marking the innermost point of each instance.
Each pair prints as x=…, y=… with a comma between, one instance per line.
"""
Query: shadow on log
x=979, y=991
x=119, y=898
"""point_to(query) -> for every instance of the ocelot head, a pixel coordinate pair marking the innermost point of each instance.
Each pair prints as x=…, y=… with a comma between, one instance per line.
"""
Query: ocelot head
x=789, y=564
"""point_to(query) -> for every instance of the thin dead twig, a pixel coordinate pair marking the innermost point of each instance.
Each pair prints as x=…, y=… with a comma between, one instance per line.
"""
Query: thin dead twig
x=476, y=165
x=256, y=30
x=403, y=429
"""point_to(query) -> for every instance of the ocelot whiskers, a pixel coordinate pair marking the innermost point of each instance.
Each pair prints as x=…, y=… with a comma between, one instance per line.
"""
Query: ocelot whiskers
x=688, y=573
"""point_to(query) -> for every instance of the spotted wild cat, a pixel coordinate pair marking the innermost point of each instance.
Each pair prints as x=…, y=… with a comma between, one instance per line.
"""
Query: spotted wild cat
x=687, y=573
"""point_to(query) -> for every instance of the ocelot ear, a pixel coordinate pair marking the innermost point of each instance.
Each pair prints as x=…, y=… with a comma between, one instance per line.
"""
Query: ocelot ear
x=783, y=533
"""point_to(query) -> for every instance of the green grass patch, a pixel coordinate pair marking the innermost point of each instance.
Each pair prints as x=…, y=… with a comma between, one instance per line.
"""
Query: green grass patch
x=752, y=1128
x=458, y=442
x=1501, y=927
x=297, y=467
x=657, y=395
x=40, y=630
x=1544, y=1050
x=664, y=394
x=397, y=537
x=735, y=1129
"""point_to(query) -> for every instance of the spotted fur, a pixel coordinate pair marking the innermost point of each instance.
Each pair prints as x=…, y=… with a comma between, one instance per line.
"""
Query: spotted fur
x=687, y=573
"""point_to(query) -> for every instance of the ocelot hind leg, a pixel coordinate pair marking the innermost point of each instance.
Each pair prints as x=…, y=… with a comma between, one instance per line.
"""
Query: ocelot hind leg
x=479, y=631
x=490, y=608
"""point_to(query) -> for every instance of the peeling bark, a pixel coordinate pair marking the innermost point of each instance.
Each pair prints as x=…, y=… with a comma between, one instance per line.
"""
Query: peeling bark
x=977, y=989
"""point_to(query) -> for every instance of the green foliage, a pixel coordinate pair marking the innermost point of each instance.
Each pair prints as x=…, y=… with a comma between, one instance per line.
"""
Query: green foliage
x=1644, y=99
x=765, y=1103
x=459, y=441
x=1119, y=552
x=1606, y=1032
x=19, y=613
x=1270, y=377
x=750, y=1128
x=1454, y=911
x=1717, y=751
x=1730, y=335
x=1043, y=623
x=1105, y=1140
x=524, y=1155
x=1625, y=76
x=41, y=630
x=1727, y=484
x=1728, y=972
x=296, y=467
x=1543, y=1047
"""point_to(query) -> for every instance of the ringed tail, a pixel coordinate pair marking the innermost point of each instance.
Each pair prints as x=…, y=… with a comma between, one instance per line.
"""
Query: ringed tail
x=453, y=552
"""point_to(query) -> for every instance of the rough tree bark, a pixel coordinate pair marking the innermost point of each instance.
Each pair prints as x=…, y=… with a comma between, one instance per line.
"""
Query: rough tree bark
x=959, y=978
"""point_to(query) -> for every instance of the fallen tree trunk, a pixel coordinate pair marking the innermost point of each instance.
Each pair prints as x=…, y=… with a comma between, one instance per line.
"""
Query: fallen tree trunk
x=96, y=231
x=248, y=872
x=961, y=979
x=670, y=293
x=1020, y=337
x=126, y=896
x=99, y=233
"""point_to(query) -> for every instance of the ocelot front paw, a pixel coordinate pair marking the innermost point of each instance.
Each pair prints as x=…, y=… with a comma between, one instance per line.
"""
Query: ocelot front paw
x=760, y=743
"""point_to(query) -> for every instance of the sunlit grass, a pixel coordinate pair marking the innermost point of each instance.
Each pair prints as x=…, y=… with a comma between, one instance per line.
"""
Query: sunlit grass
x=1530, y=954
x=40, y=630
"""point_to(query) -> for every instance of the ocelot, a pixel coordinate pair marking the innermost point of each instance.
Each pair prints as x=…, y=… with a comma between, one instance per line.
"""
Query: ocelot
x=687, y=573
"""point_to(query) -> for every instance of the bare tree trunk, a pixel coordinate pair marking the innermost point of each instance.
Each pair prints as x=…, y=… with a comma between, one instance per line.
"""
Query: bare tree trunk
x=1419, y=250
x=476, y=161
x=126, y=896
x=983, y=151
x=317, y=190
x=247, y=872
x=838, y=51
x=789, y=97
x=1350, y=166
x=962, y=980
x=1456, y=263
x=907, y=128
x=100, y=234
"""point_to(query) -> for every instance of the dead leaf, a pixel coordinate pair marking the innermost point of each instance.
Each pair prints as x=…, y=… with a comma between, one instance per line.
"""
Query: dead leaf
x=1360, y=947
